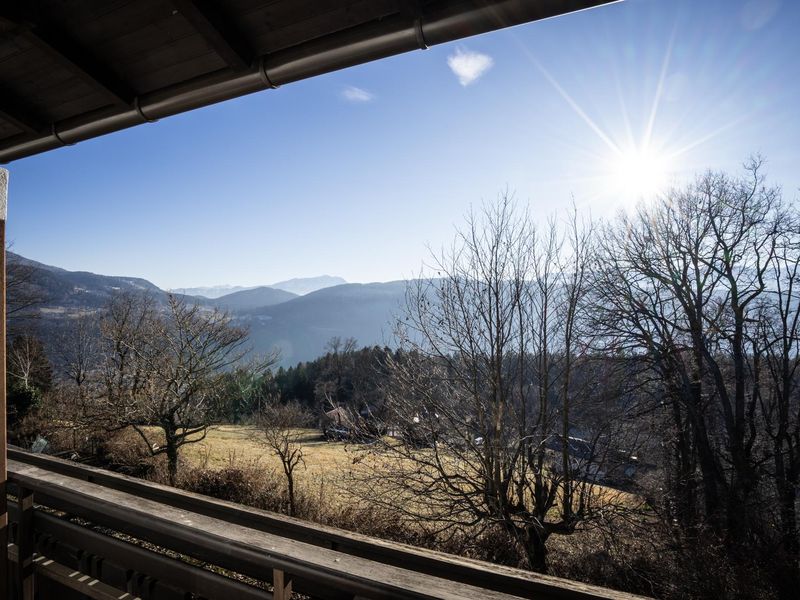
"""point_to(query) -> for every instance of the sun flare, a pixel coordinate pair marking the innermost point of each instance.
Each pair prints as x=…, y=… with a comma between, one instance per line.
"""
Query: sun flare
x=639, y=173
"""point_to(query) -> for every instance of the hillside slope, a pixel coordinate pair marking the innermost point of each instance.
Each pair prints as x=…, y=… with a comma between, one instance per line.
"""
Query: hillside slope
x=259, y=297
x=301, y=327
x=59, y=288
x=306, y=285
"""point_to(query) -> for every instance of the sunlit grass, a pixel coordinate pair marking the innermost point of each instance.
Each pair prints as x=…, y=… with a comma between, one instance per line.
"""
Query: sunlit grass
x=337, y=466
x=325, y=462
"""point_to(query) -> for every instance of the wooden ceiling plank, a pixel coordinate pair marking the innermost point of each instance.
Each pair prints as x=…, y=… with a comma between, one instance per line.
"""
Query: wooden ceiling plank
x=290, y=24
x=72, y=57
x=218, y=31
x=13, y=111
x=82, y=64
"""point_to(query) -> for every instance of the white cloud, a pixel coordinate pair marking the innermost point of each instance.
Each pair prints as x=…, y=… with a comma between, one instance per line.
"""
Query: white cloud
x=757, y=13
x=355, y=94
x=469, y=66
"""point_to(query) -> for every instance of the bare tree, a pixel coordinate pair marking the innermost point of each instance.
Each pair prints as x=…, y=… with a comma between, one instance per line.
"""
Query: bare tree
x=27, y=362
x=165, y=369
x=22, y=294
x=779, y=335
x=330, y=389
x=77, y=349
x=280, y=426
x=484, y=393
x=700, y=287
x=29, y=374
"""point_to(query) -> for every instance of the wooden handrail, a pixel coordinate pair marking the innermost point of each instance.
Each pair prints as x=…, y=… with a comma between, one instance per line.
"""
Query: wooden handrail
x=62, y=538
x=235, y=547
x=464, y=571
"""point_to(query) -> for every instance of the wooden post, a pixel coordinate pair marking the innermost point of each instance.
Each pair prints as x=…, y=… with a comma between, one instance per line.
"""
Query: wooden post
x=25, y=544
x=281, y=585
x=4, y=579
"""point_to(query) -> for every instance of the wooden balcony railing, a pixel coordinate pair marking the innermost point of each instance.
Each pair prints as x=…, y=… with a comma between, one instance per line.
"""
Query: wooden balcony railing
x=81, y=532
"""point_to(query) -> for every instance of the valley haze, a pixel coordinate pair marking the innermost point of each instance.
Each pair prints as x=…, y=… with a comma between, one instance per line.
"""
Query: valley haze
x=298, y=285
x=298, y=316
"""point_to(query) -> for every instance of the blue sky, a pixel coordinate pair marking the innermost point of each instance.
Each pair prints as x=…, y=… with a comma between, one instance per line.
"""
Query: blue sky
x=357, y=172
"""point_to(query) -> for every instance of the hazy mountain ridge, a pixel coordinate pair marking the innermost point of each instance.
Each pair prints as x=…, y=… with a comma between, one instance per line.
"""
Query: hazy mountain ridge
x=254, y=298
x=212, y=292
x=300, y=325
x=297, y=286
x=59, y=288
x=306, y=285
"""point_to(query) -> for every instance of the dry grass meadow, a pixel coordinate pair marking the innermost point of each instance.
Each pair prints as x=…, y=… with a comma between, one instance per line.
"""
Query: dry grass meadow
x=335, y=488
x=327, y=467
x=325, y=463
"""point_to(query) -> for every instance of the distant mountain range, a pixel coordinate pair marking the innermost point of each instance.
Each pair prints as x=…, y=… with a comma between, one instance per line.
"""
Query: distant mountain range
x=297, y=321
x=306, y=285
x=298, y=286
x=214, y=291
x=302, y=326
x=62, y=290
x=253, y=298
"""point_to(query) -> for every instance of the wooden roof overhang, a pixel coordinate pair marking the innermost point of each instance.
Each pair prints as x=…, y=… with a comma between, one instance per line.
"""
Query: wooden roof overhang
x=71, y=70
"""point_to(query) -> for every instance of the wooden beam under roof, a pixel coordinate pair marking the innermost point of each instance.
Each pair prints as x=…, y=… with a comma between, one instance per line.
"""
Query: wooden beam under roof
x=69, y=55
x=218, y=31
x=13, y=111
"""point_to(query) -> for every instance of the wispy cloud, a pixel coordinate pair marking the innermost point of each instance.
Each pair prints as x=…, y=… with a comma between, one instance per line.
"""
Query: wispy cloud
x=356, y=94
x=469, y=66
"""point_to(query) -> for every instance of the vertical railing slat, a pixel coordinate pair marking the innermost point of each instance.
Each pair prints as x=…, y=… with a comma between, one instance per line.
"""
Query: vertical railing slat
x=25, y=544
x=281, y=584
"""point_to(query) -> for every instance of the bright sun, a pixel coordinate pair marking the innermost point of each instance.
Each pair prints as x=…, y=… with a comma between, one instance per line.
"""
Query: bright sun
x=639, y=173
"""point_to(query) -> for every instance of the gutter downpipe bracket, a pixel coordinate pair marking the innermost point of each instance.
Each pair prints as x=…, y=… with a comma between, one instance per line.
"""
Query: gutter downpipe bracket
x=420, y=33
x=262, y=72
x=138, y=108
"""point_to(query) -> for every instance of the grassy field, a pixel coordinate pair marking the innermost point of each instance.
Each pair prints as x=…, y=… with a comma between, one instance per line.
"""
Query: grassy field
x=325, y=462
x=332, y=489
x=327, y=465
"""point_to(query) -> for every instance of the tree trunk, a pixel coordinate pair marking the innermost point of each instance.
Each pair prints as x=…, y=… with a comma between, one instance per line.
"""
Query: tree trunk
x=290, y=489
x=536, y=550
x=786, y=487
x=172, y=455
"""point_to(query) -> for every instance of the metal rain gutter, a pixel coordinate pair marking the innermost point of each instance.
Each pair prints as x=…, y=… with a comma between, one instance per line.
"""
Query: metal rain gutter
x=380, y=39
